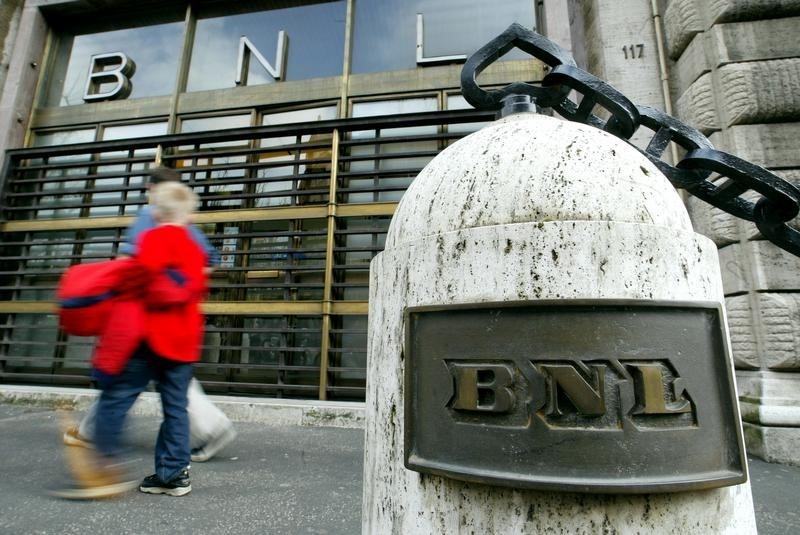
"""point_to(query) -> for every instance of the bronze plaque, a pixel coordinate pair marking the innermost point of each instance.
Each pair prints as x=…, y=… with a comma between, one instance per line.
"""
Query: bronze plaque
x=584, y=396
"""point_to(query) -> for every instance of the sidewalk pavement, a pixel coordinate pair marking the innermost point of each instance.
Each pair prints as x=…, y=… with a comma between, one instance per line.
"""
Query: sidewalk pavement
x=288, y=472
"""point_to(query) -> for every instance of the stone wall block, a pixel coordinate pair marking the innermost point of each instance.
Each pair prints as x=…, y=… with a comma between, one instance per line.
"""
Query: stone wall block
x=771, y=268
x=780, y=321
x=737, y=42
x=755, y=92
x=771, y=145
x=770, y=404
x=757, y=40
x=743, y=339
x=682, y=21
x=720, y=226
x=738, y=10
x=9, y=21
x=773, y=444
x=763, y=91
x=734, y=274
x=16, y=99
x=694, y=61
x=696, y=105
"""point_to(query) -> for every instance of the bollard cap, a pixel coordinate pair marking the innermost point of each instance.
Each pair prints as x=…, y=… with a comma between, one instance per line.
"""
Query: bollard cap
x=528, y=167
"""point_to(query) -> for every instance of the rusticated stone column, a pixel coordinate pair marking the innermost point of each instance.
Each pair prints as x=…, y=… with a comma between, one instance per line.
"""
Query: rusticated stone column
x=738, y=80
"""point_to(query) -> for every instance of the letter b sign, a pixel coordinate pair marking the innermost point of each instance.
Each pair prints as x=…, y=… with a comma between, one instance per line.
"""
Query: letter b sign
x=109, y=77
x=482, y=387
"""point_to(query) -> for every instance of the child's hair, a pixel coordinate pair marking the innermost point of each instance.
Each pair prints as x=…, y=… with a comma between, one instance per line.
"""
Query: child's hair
x=172, y=202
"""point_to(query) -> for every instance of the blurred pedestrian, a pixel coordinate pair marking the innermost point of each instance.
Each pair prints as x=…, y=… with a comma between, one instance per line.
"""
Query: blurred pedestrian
x=171, y=336
x=210, y=429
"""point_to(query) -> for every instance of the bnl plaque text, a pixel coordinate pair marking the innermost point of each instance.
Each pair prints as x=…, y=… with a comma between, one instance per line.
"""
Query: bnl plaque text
x=603, y=396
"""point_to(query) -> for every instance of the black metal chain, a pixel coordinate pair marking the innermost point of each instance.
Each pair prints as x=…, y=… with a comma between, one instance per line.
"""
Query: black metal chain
x=778, y=201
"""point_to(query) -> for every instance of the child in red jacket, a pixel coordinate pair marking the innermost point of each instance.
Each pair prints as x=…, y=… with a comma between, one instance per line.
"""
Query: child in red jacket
x=171, y=340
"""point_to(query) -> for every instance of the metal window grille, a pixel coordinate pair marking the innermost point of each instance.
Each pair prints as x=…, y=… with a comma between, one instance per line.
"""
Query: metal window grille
x=297, y=212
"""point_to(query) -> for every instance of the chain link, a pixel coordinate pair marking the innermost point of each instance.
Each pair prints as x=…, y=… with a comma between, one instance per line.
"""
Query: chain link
x=716, y=177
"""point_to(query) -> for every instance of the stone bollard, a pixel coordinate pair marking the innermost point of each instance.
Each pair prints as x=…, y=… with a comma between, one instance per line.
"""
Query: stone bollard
x=547, y=348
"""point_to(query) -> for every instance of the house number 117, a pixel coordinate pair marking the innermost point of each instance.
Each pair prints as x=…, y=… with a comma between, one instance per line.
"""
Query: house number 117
x=633, y=51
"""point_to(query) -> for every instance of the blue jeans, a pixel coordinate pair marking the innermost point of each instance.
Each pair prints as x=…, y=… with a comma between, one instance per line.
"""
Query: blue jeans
x=119, y=392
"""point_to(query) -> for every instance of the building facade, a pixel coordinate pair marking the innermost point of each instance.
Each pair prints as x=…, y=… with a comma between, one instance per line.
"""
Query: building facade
x=301, y=122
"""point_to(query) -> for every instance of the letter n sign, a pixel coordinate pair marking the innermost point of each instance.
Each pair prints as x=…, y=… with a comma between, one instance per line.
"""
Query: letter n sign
x=109, y=77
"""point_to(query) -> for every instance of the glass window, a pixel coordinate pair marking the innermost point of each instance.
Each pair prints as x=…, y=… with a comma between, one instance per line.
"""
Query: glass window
x=64, y=137
x=385, y=32
x=214, y=123
x=302, y=172
x=314, y=47
x=63, y=183
x=381, y=171
x=155, y=50
x=457, y=102
x=223, y=168
x=130, y=131
x=124, y=176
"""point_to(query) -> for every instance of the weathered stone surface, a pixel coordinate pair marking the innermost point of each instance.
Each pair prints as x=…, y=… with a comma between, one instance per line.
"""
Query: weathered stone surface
x=697, y=105
x=773, y=398
x=737, y=42
x=780, y=326
x=472, y=266
x=524, y=182
x=771, y=145
x=770, y=404
x=758, y=265
x=712, y=222
x=695, y=60
x=18, y=93
x=761, y=91
x=682, y=21
x=9, y=20
x=743, y=341
x=464, y=233
x=737, y=10
x=630, y=23
x=753, y=92
x=776, y=322
x=773, y=444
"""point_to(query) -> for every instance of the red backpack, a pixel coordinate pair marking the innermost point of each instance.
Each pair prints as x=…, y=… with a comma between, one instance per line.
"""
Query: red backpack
x=85, y=293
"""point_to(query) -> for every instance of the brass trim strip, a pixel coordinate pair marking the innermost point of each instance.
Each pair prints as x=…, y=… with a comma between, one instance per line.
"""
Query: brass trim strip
x=66, y=224
x=327, y=293
x=239, y=308
x=27, y=307
x=265, y=274
x=263, y=214
x=227, y=216
x=244, y=308
x=349, y=308
x=367, y=209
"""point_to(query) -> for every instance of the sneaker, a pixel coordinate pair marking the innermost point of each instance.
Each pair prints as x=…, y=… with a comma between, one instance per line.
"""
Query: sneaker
x=91, y=479
x=212, y=447
x=73, y=437
x=179, y=485
x=108, y=489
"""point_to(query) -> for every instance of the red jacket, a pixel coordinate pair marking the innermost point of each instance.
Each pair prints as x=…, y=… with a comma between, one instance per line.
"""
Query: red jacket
x=173, y=328
x=153, y=297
